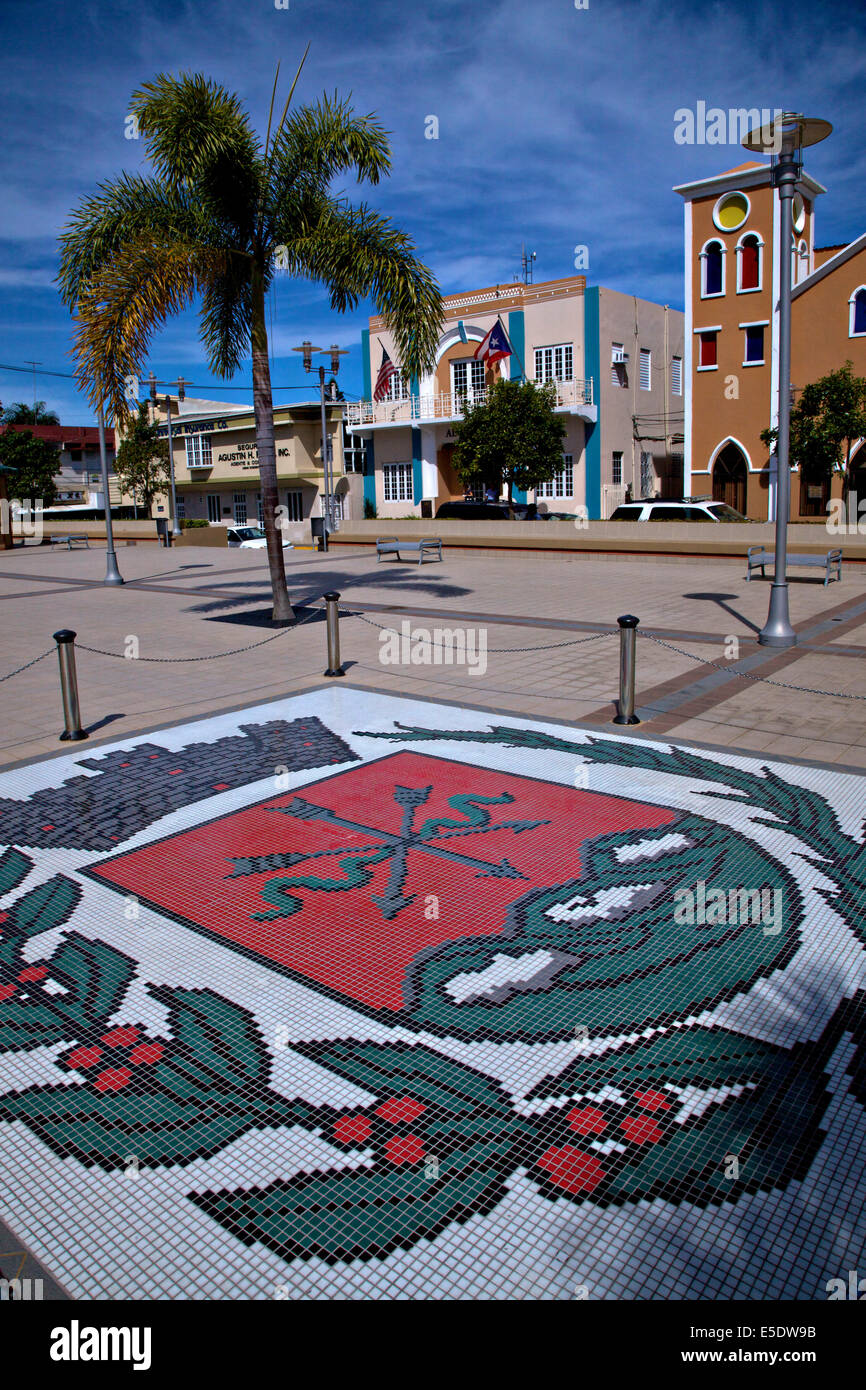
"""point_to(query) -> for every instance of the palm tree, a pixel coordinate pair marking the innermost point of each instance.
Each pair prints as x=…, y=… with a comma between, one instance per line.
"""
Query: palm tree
x=211, y=221
x=22, y=414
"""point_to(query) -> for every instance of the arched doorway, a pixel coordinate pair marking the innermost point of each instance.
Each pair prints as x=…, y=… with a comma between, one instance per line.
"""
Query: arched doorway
x=729, y=478
x=858, y=474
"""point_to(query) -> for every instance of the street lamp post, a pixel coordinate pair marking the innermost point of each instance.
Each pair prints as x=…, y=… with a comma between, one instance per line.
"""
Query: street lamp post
x=176, y=529
x=112, y=573
x=785, y=136
x=335, y=354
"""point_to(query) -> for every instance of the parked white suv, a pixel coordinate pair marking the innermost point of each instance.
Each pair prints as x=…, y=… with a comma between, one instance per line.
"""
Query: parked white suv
x=682, y=509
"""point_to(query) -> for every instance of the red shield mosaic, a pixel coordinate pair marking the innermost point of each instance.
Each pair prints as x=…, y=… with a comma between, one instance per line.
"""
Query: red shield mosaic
x=347, y=884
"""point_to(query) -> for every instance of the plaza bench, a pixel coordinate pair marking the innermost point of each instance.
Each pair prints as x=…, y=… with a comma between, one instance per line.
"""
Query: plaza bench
x=757, y=557
x=390, y=545
x=70, y=541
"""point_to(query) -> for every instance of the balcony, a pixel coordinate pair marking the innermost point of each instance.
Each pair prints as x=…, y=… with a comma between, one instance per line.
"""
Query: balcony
x=572, y=398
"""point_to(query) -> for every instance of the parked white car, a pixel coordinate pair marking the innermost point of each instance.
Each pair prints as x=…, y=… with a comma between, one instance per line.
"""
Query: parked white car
x=682, y=510
x=250, y=538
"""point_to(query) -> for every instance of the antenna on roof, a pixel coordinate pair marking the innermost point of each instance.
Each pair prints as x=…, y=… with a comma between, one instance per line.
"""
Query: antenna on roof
x=526, y=265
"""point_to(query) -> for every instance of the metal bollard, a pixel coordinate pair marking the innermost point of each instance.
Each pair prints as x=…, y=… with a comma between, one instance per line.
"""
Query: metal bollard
x=627, y=642
x=333, y=625
x=69, y=685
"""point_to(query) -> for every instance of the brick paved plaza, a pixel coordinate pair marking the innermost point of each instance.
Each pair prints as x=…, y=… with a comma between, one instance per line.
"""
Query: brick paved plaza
x=192, y=602
x=430, y=982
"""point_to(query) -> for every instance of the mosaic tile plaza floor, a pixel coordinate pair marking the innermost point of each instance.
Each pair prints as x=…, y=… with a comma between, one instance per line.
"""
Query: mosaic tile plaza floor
x=349, y=996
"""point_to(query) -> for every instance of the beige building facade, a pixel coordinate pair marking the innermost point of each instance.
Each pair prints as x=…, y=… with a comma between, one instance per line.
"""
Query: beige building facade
x=561, y=332
x=217, y=469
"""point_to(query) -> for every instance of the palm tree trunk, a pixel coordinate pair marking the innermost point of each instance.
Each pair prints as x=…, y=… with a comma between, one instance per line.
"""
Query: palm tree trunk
x=263, y=403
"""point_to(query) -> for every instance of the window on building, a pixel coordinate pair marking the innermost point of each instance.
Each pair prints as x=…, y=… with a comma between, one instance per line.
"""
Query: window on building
x=198, y=451
x=354, y=451
x=467, y=377
x=618, y=365
x=240, y=502
x=75, y=455
x=749, y=254
x=397, y=388
x=181, y=509
x=562, y=482
x=857, y=312
x=708, y=350
x=213, y=506
x=616, y=468
x=295, y=505
x=397, y=480
x=260, y=508
x=754, y=343
x=555, y=363
x=676, y=376
x=712, y=259
x=645, y=369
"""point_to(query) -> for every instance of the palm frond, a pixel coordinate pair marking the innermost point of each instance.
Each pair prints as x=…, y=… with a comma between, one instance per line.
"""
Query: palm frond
x=324, y=140
x=198, y=137
x=122, y=210
x=144, y=284
x=226, y=317
x=355, y=252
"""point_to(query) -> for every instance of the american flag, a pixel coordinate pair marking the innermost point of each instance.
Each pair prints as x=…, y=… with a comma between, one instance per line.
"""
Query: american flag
x=386, y=371
x=495, y=345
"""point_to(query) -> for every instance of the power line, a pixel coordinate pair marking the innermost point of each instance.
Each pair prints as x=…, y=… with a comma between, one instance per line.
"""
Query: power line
x=70, y=376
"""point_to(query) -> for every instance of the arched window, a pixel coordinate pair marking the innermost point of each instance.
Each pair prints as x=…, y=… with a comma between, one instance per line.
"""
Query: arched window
x=857, y=313
x=749, y=266
x=713, y=269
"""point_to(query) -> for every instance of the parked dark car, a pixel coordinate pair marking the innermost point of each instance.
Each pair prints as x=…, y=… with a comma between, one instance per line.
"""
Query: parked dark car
x=476, y=511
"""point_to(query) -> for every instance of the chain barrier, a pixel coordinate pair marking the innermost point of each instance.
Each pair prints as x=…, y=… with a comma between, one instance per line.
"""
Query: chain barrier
x=27, y=665
x=496, y=651
x=212, y=656
x=747, y=675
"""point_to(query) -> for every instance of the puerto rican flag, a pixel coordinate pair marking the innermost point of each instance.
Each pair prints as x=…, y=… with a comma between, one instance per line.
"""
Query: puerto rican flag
x=495, y=345
x=386, y=371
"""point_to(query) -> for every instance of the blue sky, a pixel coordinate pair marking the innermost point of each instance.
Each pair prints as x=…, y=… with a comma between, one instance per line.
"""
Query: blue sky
x=555, y=129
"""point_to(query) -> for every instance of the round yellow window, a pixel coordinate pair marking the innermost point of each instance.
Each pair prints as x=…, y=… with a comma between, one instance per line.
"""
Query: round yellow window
x=731, y=211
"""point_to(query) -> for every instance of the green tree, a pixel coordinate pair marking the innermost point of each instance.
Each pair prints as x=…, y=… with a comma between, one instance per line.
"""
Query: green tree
x=33, y=465
x=220, y=214
x=142, y=464
x=826, y=423
x=512, y=438
x=22, y=414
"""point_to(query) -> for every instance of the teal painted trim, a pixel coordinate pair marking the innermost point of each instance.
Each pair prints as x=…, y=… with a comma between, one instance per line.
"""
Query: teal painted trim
x=592, y=432
x=519, y=494
x=370, y=473
x=365, y=358
x=461, y=329
x=517, y=338
x=417, y=489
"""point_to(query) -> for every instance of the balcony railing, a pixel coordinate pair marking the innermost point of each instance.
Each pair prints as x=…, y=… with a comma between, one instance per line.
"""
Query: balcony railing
x=450, y=405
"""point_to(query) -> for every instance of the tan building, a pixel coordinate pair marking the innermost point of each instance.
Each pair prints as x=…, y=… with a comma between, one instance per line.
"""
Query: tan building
x=217, y=472
x=616, y=363
x=732, y=237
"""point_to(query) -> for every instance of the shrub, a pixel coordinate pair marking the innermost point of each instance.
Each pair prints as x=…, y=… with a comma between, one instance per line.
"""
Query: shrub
x=191, y=523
